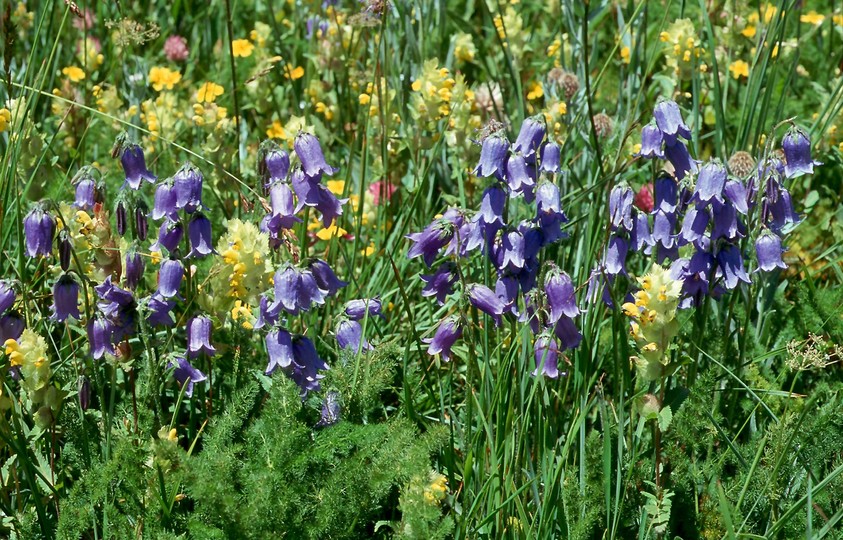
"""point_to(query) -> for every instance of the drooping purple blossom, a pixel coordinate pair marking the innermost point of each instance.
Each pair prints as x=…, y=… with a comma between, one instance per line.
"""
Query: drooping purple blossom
x=159, y=310
x=441, y=283
x=652, y=140
x=768, y=248
x=677, y=154
x=296, y=290
x=283, y=208
x=520, y=177
x=134, y=166
x=7, y=296
x=349, y=335
x=11, y=326
x=164, y=204
x=325, y=277
x=187, y=184
x=99, y=338
x=310, y=154
x=186, y=374
x=730, y=266
x=492, y=206
x=568, y=333
x=736, y=193
x=306, y=365
x=551, y=157
x=199, y=233
x=199, y=337
x=66, y=299
x=39, y=227
x=361, y=308
x=710, y=183
x=447, y=333
x=530, y=137
x=134, y=268
x=65, y=250
x=620, y=207
x=485, y=299
x=493, y=155
x=85, y=192
x=561, y=297
x=429, y=241
x=170, y=235
x=797, y=153
x=546, y=352
x=169, y=278
x=276, y=163
x=615, y=261
x=669, y=121
x=279, y=347
x=121, y=216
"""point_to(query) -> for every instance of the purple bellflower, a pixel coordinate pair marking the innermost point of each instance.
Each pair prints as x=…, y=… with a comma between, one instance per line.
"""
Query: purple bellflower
x=530, y=137
x=134, y=166
x=359, y=309
x=279, y=347
x=350, y=336
x=447, y=333
x=199, y=337
x=186, y=374
x=485, y=299
x=199, y=233
x=493, y=155
x=441, y=283
x=797, y=153
x=39, y=227
x=768, y=248
x=66, y=299
x=169, y=278
x=310, y=154
x=546, y=352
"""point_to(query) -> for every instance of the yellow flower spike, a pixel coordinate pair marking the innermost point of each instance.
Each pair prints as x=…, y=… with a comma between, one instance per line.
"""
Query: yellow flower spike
x=625, y=55
x=631, y=310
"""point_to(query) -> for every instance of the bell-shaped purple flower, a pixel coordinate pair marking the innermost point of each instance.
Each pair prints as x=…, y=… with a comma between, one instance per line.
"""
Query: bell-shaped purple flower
x=39, y=227
x=665, y=194
x=331, y=410
x=134, y=268
x=506, y=288
x=441, y=283
x=159, y=310
x=520, y=177
x=546, y=352
x=429, y=241
x=199, y=233
x=615, y=261
x=725, y=219
x=652, y=140
x=512, y=251
x=710, y=183
x=736, y=193
x=694, y=225
x=306, y=365
x=187, y=183
x=359, y=309
x=279, y=347
x=493, y=155
x=568, y=334
x=731, y=266
x=134, y=166
x=797, y=153
x=297, y=290
x=551, y=158
x=169, y=278
x=310, y=154
x=169, y=236
x=66, y=299
x=491, y=209
x=447, y=333
x=678, y=156
x=325, y=277
x=485, y=299
x=350, y=336
x=7, y=296
x=640, y=238
x=277, y=165
x=11, y=326
x=561, y=298
x=779, y=212
x=99, y=337
x=283, y=210
x=663, y=226
x=530, y=137
x=186, y=374
x=165, y=202
x=199, y=337
x=65, y=250
x=86, y=193
x=669, y=121
x=620, y=207
x=768, y=248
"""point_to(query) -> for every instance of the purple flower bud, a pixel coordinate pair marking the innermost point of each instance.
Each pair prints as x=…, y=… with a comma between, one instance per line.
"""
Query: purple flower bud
x=11, y=326
x=551, y=158
x=616, y=256
x=7, y=296
x=678, y=155
x=169, y=236
x=159, y=310
x=485, y=299
x=65, y=250
x=350, y=336
x=283, y=212
x=186, y=374
x=141, y=223
x=187, y=183
x=568, y=334
x=279, y=347
x=306, y=365
x=448, y=332
x=120, y=215
x=39, y=227
x=561, y=297
x=737, y=195
x=164, y=203
x=797, y=153
x=83, y=391
x=99, y=337
x=710, y=183
x=66, y=299
x=731, y=267
x=530, y=137
x=134, y=267
x=277, y=163
x=358, y=309
x=669, y=121
x=492, y=156
x=134, y=166
x=768, y=248
x=330, y=410
x=199, y=233
x=440, y=284
x=546, y=352
x=620, y=207
x=651, y=142
x=325, y=277
x=310, y=154
x=169, y=278
x=428, y=242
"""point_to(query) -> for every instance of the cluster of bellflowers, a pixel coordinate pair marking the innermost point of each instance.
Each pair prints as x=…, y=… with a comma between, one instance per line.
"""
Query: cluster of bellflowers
x=301, y=285
x=700, y=215
x=523, y=181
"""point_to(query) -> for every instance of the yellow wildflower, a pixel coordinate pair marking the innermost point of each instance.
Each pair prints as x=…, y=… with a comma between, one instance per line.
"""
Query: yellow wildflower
x=75, y=74
x=625, y=56
x=749, y=31
x=242, y=48
x=294, y=73
x=161, y=78
x=812, y=17
x=276, y=131
x=5, y=119
x=330, y=232
x=209, y=92
x=336, y=186
x=739, y=69
x=364, y=99
x=536, y=91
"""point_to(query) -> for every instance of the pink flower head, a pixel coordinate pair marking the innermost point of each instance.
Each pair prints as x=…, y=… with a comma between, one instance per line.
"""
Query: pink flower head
x=176, y=49
x=381, y=189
